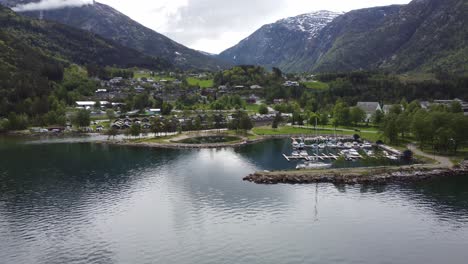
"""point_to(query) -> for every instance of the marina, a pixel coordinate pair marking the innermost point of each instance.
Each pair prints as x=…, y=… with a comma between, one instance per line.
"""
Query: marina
x=329, y=149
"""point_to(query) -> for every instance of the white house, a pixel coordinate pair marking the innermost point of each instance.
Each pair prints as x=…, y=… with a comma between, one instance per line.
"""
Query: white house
x=290, y=83
x=369, y=108
x=89, y=104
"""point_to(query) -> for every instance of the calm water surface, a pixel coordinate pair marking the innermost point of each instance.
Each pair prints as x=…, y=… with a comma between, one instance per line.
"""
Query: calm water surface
x=86, y=203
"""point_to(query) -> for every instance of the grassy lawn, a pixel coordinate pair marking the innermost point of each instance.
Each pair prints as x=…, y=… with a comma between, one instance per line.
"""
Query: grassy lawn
x=316, y=85
x=252, y=107
x=360, y=128
x=163, y=139
x=198, y=82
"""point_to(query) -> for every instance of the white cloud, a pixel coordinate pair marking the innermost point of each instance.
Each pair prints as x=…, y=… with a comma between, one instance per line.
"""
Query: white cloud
x=214, y=25
x=50, y=4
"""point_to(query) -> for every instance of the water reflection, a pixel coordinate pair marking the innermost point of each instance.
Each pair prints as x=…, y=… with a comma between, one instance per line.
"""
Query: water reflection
x=88, y=203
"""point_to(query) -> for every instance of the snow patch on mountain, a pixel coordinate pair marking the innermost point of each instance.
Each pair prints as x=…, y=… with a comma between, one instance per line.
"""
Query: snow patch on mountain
x=310, y=23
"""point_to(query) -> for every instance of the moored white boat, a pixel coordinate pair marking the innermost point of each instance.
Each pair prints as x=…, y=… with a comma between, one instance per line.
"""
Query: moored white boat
x=314, y=165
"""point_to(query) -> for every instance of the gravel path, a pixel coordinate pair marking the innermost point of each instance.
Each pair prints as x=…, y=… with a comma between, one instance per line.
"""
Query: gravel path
x=441, y=161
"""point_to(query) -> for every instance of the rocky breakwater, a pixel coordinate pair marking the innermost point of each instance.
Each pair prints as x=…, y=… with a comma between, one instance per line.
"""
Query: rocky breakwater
x=357, y=176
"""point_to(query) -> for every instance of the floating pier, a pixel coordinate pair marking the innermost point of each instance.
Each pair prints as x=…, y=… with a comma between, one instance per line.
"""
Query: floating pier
x=309, y=158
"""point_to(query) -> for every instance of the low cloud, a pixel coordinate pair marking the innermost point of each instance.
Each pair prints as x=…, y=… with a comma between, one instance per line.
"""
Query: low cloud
x=50, y=4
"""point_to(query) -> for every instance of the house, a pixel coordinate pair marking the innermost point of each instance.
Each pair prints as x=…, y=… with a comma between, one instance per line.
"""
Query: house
x=99, y=128
x=256, y=87
x=369, y=108
x=425, y=104
x=464, y=105
x=139, y=89
x=252, y=99
x=386, y=108
x=101, y=91
x=239, y=87
x=291, y=83
x=278, y=101
x=154, y=111
x=116, y=80
x=89, y=104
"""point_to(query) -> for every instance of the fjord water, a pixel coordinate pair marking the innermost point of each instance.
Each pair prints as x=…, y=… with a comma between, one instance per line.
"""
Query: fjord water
x=89, y=203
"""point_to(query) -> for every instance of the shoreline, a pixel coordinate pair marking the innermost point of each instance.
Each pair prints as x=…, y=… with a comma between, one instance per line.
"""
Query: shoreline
x=376, y=175
x=175, y=145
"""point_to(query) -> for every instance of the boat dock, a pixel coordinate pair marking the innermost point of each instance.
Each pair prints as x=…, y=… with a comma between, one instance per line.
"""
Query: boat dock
x=390, y=150
x=309, y=158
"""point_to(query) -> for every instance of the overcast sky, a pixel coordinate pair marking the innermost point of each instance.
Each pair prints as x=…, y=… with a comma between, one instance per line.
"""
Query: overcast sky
x=215, y=25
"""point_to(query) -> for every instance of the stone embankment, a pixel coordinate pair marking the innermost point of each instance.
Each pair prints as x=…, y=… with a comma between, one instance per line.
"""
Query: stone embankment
x=357, y=176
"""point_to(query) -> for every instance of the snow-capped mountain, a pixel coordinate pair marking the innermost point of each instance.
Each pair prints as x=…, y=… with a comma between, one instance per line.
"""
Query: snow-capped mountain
x=310, y=24
x=278, y=44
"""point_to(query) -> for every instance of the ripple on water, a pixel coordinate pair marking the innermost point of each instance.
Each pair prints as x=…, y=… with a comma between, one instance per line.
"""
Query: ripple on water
x=124, y=205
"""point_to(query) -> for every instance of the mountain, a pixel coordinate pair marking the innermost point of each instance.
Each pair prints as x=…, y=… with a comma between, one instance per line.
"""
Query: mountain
x=34, y=52
x=111, y=24
x=280, y=44
x=343, y=45
x=422, y=36
x=71, y=45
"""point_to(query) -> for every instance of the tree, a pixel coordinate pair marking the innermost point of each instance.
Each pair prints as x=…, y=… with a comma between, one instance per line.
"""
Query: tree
x=198, y=123
x=156, y=126
x=421, y=127
x=81, y=118
x=240, y=121
x=314, y=119
x=110, y=114
x=389, y=128
x=276, y=121
x=263, y=109
x=341, y=114
x=297, y=119
x=396, y=109
x=17, y=122
x=135, y=130
x=277, y=73
x=112, y=132
x=404, y=124
x=459, y=125
x=141, y=101
x=245, y=123
x=97, y=105
x=456, y=107
x=377, y=117
x=323, y=119
x=357, y=115
x=166, y=108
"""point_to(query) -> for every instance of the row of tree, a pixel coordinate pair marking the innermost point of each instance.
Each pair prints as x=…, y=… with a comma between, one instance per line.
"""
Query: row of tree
x=440, y=127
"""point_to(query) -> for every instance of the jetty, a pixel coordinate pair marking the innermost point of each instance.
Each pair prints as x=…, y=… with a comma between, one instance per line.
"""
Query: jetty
x=313, y=157
x=377, y=175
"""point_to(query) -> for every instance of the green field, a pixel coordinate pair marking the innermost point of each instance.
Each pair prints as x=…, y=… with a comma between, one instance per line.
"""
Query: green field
x=316, y=85
x=198, y=82
x=252, y=107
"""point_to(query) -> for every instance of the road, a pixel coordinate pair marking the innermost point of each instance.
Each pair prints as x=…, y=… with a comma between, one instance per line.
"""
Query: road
x=441, y=161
